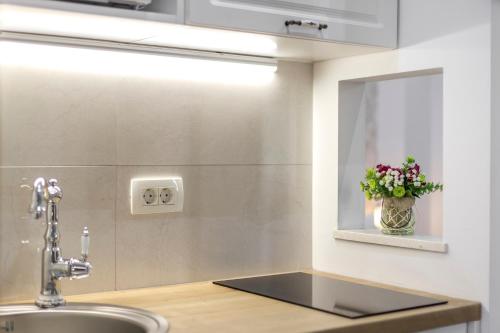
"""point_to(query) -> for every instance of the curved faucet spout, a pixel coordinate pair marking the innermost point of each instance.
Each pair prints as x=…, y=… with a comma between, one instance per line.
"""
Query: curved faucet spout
x=45, y=200
x=38, y=200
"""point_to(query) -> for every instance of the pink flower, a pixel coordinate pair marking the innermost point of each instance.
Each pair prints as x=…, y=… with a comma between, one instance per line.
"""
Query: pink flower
x=382, y=169
x=417, y=167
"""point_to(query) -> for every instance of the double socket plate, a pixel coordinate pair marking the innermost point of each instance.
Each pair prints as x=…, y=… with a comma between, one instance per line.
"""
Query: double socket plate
x=156, y=195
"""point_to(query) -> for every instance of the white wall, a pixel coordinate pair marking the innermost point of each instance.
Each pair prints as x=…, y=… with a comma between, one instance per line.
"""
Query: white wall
x=494, y=306
x=454, y=36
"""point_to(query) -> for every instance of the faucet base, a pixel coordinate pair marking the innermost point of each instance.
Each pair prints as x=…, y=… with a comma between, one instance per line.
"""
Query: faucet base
x=51, y=301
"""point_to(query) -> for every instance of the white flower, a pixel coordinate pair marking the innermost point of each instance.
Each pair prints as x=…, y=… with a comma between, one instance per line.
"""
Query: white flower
x=377, y=174
x=408, y=175
x=417, y=184
x=391, y=188
x=381, y=182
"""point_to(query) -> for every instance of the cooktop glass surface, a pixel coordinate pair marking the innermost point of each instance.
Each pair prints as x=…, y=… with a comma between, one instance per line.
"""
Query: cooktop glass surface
x=335, y=296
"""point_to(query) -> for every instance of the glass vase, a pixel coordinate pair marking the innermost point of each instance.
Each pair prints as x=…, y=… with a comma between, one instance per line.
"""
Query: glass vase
x=398, y=217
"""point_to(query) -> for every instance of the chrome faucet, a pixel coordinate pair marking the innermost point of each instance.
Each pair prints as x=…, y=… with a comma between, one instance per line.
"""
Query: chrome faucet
x=46, y=196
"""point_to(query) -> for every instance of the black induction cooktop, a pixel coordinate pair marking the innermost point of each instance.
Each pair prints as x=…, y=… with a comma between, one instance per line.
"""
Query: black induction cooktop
x=330, y=295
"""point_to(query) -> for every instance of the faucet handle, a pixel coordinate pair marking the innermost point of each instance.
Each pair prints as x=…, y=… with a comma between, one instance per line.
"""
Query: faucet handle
x=85, y=241
x=79, y=269
x=54, y=192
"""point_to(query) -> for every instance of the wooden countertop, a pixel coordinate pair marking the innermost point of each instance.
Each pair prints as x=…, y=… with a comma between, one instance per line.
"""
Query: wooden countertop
x=205, y=307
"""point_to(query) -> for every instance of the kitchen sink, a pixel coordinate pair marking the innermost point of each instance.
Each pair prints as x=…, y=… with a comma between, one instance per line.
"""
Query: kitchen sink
x=79, y=318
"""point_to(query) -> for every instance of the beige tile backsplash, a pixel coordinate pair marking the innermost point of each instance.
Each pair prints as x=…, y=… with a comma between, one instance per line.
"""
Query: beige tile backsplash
x=237, y=220
x=88, y=200
x=243, y=151
x=140, y=121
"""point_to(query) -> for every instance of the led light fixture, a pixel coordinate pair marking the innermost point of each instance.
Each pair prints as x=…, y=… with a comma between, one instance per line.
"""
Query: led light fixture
x=47, y=21
x=62, y=54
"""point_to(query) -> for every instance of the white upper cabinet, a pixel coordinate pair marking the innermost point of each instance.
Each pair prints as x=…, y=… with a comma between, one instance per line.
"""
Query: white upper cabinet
x=369, y=22
x=299, y=30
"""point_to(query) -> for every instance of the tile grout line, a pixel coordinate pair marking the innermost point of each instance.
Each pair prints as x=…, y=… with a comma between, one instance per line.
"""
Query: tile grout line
x=115, y=199
x=151, y=165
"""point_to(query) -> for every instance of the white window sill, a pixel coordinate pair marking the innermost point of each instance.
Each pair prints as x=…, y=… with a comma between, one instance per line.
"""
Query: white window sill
x=373, y=236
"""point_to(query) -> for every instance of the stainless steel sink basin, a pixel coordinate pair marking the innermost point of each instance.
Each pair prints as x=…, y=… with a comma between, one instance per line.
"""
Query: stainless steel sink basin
x=79, y=318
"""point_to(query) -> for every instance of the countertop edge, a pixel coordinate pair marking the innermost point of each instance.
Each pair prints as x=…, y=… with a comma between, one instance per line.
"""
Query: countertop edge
x=202, y=306
x=416, y=322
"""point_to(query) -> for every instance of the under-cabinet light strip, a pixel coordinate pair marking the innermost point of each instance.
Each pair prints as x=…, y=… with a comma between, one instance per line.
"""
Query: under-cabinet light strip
x=269, y=63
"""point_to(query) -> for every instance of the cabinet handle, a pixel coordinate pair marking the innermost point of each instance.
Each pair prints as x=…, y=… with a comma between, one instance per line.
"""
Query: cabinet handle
x=307, y=23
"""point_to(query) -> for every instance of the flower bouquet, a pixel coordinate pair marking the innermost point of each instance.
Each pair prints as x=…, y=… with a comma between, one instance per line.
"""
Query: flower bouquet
x=397, y=188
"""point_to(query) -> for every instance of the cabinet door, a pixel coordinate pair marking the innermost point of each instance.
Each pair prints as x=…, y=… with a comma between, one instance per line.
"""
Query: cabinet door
x=370, y=22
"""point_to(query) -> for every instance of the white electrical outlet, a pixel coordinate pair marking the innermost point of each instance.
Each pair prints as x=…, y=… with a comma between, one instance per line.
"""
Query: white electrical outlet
x=167, y=196
x=156, y=195
x=149, y=196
